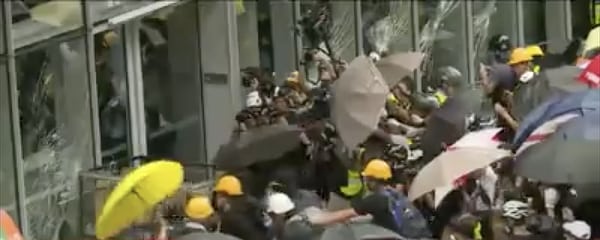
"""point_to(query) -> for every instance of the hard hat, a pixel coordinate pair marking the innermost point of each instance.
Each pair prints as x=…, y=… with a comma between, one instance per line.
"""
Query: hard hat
x=230, y=185
x=578, y=229
x=279, y=203
x=294, y=77
x=198, y=208
x=253, y=99
x=519, y=55
x=451, y=76
x=377, y=169
x=534, y=50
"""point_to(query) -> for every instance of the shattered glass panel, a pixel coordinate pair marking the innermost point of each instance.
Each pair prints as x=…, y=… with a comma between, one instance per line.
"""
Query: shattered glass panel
x=387, y=26
x=7, y=173
x=56, y=132
x=442, y=38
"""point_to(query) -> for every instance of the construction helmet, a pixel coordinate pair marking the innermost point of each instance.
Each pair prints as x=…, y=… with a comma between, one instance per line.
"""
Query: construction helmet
x=534, y=51
x=519, y=55
x=377, y=169
x=230, y=185
x=279, y=203
x=198, y=208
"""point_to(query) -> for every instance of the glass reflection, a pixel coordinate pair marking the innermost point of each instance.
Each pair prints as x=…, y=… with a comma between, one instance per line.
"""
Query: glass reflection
x=56, y=132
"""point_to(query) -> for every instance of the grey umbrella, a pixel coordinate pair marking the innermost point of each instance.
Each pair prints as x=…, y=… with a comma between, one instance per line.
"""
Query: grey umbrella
x=359, y=231
x=551, y=82
x=358, y=98
x=256, y=145
x=397, y=66
x=569, y=155
x=207, y=236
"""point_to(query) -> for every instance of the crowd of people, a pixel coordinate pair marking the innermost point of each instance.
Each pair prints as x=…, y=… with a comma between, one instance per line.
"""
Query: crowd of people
x=323, y=182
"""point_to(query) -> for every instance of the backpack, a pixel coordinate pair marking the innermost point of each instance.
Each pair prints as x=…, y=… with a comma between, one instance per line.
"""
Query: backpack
x=409, y=220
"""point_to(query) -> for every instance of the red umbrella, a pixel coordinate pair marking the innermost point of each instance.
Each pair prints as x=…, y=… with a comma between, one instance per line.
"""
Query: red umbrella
x=591, y=74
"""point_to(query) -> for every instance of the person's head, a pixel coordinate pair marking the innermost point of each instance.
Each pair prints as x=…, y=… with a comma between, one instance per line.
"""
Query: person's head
x=577, y=230
x=515, y=212
x=520, y=61
x=280, y=103
x=500, y=45
x=279, y=204
x=199, y=208
x=450, y=79
x=404, y=87
x=376, y=173
x=227, y=186
x=499, y=77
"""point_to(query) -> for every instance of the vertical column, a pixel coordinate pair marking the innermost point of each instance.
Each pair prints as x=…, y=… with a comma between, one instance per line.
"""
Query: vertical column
x=135, y=88
x=520, y=23
x=220, y=67
x=282, y=27
x=13, y=112
x=358, y=29
x=470, y=42
x=415, y=34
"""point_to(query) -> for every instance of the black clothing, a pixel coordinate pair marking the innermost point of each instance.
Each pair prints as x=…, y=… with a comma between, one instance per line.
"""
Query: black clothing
x=378, y=205
x=243, y=220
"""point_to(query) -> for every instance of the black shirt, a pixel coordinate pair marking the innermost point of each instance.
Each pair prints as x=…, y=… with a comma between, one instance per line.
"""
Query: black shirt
x=378, y=205
x=243, y=220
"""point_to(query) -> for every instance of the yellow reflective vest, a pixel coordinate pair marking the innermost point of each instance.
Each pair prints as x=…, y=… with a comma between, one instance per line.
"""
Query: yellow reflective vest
x=355, y=185
x=440, y=97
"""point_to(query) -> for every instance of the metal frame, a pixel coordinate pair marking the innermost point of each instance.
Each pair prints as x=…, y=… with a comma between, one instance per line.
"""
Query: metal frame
x=358, y=28
x=520, y=25
x=15, y=121
x=233, y=53
x=468, y=5
x=416, y=33
x=298, y=43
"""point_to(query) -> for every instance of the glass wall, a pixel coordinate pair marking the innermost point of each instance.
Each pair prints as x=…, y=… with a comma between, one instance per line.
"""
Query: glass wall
x=534, y=22
x=169, y=44
x=111, y=81
x=581, y=17
x=7, y=170
x=490, y=19
x=387, y=26
x=55, y=130
x=443, y=38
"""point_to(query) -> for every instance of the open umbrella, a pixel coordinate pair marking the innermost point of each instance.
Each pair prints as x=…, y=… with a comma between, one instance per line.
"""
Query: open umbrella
x=207, y=236
x=358, y=97
x=8, y=228
x=593, y=40
x=136, y=194
x=397, y=66
x=359, y=231
x=577, y=103
x=257, y=144
x=445, y=126
x=551, y=82
x=451, y=165
x=569, y=155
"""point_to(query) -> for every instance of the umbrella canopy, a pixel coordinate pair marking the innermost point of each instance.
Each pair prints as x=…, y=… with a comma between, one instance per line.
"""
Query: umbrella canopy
x=397, y=66
x=577, y=102
x=551, y=82
x=256, y=145
x=358, y=97
x=358, y=231
x=8, y=228
x=593, y=40
x=451, y=165
x=445, y=126
x=570, y=155
x=207, y=236
x=137, y=193
x=591, y=74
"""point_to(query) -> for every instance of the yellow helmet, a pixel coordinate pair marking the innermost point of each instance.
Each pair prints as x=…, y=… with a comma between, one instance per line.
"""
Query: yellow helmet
x=199, y=208
x=230, y=185
x=534, y=51
x=294, y=77
x=519, y=55
x=377, y=169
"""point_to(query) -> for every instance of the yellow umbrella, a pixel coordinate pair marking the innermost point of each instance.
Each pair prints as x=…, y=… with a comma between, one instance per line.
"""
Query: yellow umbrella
x=136, y=194
x=593, y=40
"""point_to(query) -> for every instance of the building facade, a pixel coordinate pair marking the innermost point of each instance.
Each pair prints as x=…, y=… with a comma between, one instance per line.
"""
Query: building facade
x=87, y=83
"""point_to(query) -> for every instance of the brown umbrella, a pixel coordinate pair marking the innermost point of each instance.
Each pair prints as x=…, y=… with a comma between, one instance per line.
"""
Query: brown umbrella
x=451, y=165
x=358, y=97
x=399, y=65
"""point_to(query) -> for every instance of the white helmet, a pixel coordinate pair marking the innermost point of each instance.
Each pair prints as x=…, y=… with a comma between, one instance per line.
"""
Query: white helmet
x=253, y=99
x=578, y=229
x=279, y=203
x=374, y=56
x=515, y=209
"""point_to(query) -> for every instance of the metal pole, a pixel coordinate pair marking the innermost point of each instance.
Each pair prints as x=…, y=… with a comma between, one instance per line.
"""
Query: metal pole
x=568, y=20
x=468, y=5
x=135, y=88
x=298, y=44
x=520, y=23
x=233, y=52
x=358, y=27
x=415, y=34
x=15, y=119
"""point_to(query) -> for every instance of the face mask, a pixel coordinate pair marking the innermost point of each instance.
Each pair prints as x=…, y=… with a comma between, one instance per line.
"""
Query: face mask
x=526, y=76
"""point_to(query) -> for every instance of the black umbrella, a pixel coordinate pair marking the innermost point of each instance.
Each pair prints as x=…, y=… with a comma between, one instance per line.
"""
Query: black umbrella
x=257, y=145
x=556, y=81
x=207, y=236
x=359, y=231
x=446, y=125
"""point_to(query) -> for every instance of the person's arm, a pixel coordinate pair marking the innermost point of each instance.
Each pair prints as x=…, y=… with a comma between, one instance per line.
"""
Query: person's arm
x=334, y=217
x=503, y=113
